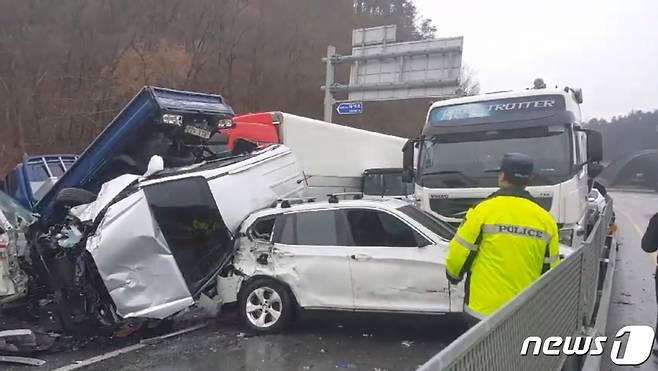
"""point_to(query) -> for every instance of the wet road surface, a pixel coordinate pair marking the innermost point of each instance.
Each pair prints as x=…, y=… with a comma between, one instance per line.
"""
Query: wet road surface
x=347, y=341
x=633, y=297
x=321, y=341
x=363, y=343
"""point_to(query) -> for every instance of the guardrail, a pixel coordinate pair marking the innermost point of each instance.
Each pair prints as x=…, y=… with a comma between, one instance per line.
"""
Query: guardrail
x=562, y=302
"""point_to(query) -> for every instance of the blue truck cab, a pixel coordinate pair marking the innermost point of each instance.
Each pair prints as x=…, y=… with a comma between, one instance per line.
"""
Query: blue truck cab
x=34, y=176
x=173, y=124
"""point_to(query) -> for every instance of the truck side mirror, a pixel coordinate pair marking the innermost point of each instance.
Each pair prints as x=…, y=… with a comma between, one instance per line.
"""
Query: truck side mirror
x=578, y=95
x=408, y=162
x=594, y=146
x=594, y=169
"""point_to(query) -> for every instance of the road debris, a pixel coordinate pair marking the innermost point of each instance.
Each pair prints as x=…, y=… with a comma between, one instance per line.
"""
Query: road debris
x=100, y=358
x=623, y=302
x=22, y=360
x=407, y=343
x=158, y=339
x=25, y=341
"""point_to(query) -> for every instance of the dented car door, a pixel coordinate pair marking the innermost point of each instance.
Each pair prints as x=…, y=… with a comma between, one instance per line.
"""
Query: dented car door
x=394, y=266
x=157, y=248
x=309, y=255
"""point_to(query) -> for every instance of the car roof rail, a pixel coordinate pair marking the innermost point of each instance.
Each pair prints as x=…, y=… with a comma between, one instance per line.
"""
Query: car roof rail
x=333, y=197
x=288, y=202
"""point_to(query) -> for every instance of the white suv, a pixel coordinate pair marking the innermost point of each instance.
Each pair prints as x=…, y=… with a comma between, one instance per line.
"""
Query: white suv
x=359, y=255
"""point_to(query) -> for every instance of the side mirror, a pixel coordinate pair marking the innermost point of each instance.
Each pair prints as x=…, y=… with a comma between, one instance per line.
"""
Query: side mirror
x=578, y=95
x=594, y=169
x=594, y=146
x=408, y=162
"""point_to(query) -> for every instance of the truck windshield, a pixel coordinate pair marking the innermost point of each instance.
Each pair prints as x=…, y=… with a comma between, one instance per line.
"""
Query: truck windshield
x=41, y=178
x=473, y=159
x=386, y=184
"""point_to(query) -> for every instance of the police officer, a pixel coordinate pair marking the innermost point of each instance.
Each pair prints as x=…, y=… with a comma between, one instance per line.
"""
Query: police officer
x=505, y=242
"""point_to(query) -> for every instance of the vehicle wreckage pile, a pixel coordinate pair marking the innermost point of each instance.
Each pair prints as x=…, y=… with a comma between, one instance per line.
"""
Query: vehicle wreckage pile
x=138, y=229
x=154, y=220
x=157, y=217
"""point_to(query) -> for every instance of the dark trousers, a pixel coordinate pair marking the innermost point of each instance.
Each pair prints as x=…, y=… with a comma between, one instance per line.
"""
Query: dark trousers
x=656, y=279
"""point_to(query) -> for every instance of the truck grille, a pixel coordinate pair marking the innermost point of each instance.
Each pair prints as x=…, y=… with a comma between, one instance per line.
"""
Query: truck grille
x=457, y=207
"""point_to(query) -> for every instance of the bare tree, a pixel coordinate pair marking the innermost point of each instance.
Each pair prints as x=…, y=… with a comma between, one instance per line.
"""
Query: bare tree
x=68, y=66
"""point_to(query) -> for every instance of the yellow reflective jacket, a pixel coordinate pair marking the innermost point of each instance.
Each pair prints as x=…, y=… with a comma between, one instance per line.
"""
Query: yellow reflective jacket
x=504, y=244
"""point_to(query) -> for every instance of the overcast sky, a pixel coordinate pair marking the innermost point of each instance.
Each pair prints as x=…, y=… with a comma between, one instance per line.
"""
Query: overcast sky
x=608, y=48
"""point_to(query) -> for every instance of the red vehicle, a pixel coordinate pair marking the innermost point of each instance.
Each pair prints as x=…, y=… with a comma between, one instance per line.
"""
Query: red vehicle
x=255, y=127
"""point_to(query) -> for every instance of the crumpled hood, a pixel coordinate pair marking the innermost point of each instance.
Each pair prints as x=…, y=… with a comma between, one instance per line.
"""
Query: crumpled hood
x=109, y=191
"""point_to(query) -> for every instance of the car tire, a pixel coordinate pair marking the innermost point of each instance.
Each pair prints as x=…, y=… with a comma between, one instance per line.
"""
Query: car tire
x=74, y=197
x=266, y=306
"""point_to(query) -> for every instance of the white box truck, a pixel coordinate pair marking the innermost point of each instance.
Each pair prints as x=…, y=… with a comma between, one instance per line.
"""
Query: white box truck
x=334, y=158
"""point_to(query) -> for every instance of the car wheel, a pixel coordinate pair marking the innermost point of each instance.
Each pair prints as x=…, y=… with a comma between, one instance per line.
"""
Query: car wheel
x=266, y=306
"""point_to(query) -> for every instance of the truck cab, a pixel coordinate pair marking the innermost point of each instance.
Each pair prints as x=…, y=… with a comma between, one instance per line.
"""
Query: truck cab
x=32, y=178
x=170, y=123
x=464, y=140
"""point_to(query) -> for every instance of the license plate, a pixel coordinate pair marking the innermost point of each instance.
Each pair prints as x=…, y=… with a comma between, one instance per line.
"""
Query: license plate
x=205, y=134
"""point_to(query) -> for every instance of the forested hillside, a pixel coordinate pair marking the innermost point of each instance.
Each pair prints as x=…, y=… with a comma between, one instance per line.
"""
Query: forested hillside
x=68, y=66
x=624, y=135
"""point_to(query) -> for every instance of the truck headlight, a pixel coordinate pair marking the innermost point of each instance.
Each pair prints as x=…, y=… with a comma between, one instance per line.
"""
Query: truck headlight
x=225, y=124
x=170, y=119
x=566, y=236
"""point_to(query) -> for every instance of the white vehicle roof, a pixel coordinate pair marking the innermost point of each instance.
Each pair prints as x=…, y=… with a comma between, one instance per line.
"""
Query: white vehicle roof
x=319, y=205
x=330, y=150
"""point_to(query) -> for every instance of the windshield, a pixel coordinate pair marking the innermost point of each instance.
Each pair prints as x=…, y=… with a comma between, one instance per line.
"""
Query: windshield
x=386, y=184
x=41, y=178
x=473, y=159
x=429, y=221
x=16, y=215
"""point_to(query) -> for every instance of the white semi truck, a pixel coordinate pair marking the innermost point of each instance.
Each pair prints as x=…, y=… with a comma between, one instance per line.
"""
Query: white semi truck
x=464, y=140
